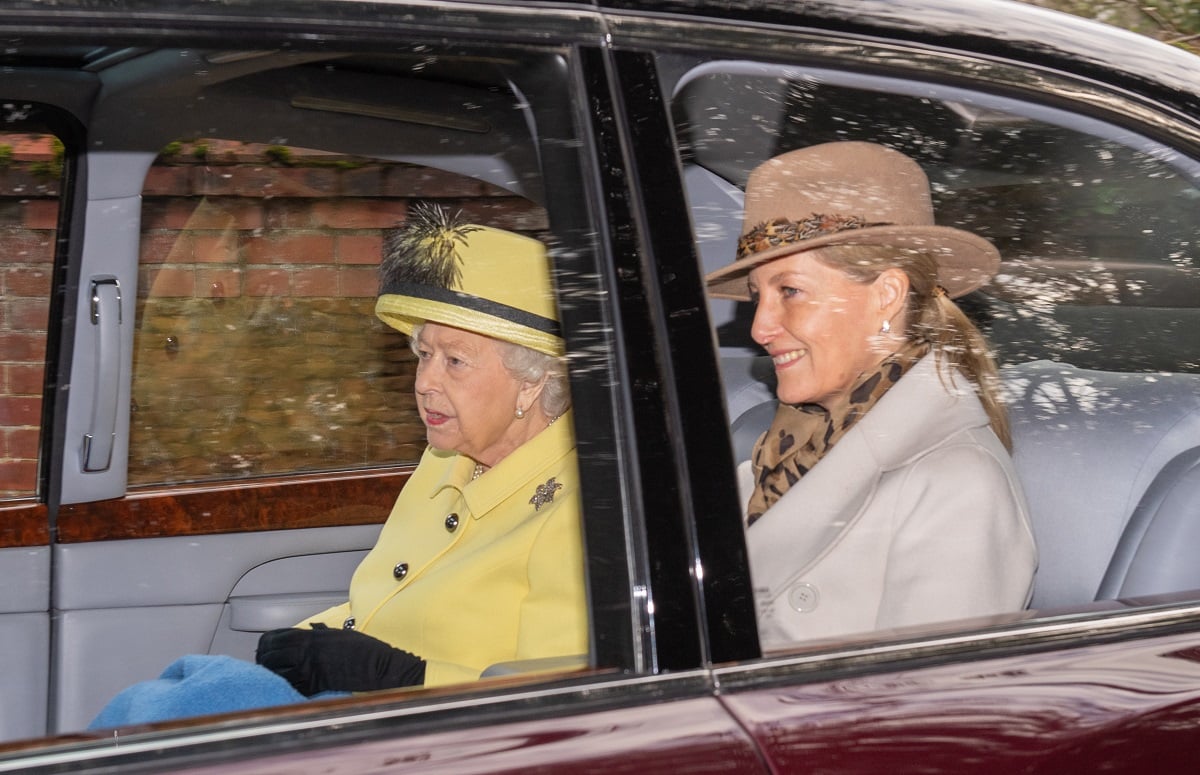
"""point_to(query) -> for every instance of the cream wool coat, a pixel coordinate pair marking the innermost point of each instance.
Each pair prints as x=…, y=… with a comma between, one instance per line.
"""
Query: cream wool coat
x=506, y=583
x=914, y=516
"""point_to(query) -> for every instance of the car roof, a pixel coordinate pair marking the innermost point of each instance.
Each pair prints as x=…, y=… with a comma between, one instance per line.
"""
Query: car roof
x=990, y=27
x=1000, y=28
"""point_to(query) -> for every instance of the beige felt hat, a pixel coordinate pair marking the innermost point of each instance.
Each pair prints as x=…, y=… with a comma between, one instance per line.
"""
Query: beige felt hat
x=848, y=193
x=477, y=278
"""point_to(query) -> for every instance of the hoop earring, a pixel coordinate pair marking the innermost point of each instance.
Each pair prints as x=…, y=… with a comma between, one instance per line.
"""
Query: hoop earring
x=886, y=328
x=520, y=413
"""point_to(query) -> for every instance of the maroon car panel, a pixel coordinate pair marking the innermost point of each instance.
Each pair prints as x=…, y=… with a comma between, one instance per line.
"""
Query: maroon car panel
x=1127, y=707
x=684, y=736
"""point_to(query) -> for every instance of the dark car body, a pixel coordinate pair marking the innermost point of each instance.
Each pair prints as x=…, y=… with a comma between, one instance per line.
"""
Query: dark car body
x=202, y=160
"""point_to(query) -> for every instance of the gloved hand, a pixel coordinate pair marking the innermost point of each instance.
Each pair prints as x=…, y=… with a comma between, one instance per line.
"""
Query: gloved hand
x=323, y=659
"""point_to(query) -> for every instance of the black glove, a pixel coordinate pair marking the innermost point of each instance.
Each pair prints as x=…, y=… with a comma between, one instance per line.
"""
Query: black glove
x=321, y=660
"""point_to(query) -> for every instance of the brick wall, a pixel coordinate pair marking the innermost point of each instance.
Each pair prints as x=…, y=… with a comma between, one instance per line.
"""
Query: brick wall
x=28, y=217
x=257, y=351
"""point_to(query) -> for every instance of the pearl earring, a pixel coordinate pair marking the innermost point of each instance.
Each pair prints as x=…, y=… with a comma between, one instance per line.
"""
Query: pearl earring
x=886, y=328
x=520, y=413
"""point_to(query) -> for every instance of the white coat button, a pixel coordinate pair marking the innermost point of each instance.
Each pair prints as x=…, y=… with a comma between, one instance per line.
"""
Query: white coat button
x=804, y=597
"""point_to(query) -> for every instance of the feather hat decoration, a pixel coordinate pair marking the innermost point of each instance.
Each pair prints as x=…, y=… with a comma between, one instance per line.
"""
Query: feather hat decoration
x=438, y=269
x=425, y=249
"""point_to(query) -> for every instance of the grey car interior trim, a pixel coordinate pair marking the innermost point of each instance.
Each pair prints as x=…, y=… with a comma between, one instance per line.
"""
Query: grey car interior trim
x=25, y=635
x=1110, y=435
x=190, y=570
x=106, y=319
x=26, y=673
x=163, y=598
x=258, y=614
x=716, y=208
x=100, y=652
x=110, y=250
x=31, y=564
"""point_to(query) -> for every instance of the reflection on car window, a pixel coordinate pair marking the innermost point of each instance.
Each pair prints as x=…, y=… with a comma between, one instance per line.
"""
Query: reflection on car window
x=30, y=171
x=257, y=352
x=257, y=349
x=1095, y=225
x=1092, y=315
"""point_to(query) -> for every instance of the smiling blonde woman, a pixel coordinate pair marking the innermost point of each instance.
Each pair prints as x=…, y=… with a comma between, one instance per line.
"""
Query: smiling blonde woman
x=883, y=494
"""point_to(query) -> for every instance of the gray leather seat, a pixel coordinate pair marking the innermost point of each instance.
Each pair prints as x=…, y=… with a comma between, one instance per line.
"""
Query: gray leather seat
x=1110, y=464
x=1155, y=551
x=1094, y=449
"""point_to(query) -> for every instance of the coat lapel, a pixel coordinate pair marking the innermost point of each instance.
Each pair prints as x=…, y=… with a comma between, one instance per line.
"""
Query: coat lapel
x=918, y=412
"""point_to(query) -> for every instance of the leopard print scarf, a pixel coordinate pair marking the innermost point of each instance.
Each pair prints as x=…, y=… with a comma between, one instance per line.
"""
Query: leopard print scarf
x=802, y=434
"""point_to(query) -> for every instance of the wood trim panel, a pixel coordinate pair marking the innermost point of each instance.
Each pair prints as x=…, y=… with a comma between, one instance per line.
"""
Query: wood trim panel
x=23, y=523
x=357, y=498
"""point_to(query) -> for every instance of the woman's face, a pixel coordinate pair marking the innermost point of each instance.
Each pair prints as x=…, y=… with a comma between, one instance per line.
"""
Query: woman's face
x=820, y=327
x=468, y=399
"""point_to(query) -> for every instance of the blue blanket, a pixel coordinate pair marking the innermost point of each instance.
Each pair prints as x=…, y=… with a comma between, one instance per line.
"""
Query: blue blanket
x=197, y=685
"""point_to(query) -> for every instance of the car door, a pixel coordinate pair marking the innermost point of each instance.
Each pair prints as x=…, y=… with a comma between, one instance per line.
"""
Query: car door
x=1093, y=320
x=259, y=415
x=238, y=424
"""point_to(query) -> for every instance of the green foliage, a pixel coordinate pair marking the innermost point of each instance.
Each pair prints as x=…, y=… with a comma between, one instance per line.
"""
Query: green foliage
x=52, y=168
x=1176, y=22
x=278, y=154
x=6, y=155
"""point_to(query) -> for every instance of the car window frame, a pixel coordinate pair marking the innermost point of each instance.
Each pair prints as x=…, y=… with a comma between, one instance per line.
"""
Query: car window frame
x=976, y=640
x=27, y=520
x=628, y=647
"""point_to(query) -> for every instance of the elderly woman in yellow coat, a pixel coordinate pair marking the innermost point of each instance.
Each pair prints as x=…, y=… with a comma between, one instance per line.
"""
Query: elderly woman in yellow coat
x=481, y=560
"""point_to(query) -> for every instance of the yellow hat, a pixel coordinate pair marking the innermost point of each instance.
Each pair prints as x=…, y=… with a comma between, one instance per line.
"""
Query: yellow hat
x=477, y=278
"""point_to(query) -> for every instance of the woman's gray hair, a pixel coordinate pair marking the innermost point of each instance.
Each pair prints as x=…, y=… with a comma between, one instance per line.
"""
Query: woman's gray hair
x=529, y=365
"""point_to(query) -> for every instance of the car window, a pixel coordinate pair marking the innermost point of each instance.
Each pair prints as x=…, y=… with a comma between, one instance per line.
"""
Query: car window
x=1092, y=221
x=272, y=421
x=30, y=173
x=1091, y=316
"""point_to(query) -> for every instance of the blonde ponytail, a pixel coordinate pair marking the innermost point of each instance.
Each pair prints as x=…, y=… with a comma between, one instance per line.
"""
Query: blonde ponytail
x=957, y=342
x=933, y=318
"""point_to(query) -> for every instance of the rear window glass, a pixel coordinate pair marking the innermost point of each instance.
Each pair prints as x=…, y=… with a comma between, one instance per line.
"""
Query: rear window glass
x=257, y=349
x=1096, y=225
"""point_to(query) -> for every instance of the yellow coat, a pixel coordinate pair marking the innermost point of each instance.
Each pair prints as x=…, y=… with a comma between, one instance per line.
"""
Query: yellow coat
x=502, y=580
